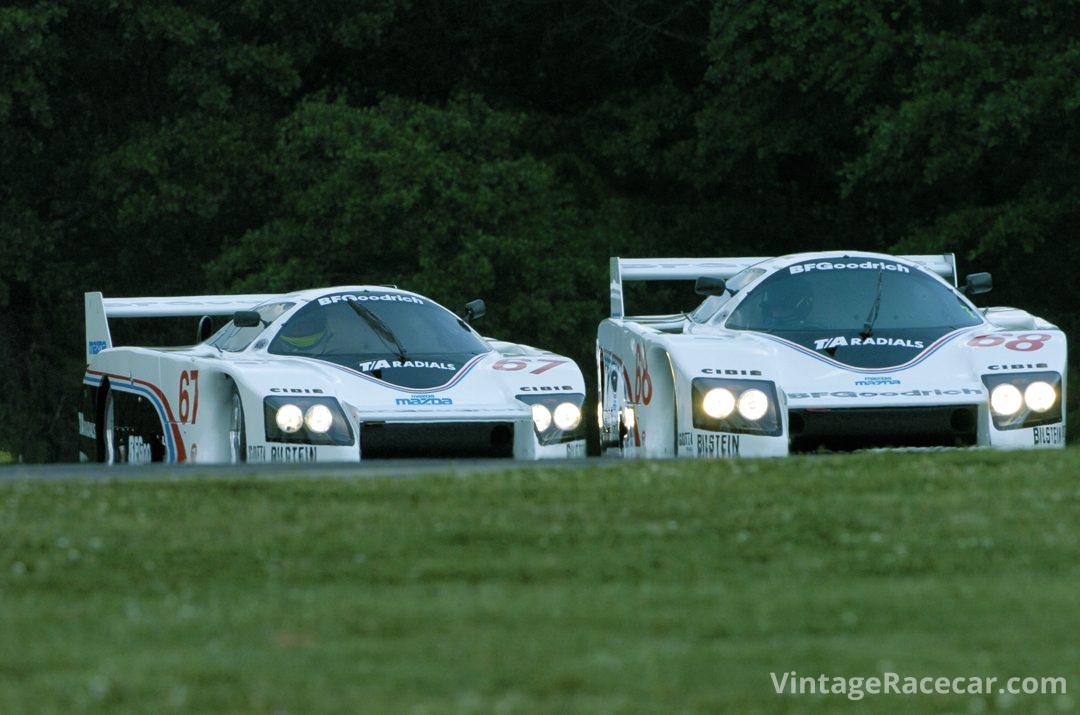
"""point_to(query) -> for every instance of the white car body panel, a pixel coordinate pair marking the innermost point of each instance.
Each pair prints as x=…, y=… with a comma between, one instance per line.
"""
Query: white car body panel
x=646, y=366
x=177, y=402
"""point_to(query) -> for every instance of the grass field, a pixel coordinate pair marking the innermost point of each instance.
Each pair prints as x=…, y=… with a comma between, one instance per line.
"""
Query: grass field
x=651, y=587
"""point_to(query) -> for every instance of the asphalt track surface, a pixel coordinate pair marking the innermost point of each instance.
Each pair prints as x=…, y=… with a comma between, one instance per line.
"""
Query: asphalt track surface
x=71, y=472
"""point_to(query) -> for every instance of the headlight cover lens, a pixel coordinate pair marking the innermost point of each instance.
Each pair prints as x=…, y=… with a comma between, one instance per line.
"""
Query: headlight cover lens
x=1040, y=396
x=753, y=404
x=319, y=418
x=302, y=419
x=541, y=417
x=736, y=406
x=567, y=416
x=718, y=403
x=1006, y=399
x=289, y=418
x=1024, y=399
x=556, y=417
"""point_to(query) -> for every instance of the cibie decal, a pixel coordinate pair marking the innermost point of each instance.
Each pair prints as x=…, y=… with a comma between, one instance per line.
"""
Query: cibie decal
x=371, y=365
x=364, y=297
x=840, y=342
x=423, y=400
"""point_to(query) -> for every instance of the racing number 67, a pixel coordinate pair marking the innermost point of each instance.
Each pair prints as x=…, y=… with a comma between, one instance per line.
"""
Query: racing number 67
x=189, y=396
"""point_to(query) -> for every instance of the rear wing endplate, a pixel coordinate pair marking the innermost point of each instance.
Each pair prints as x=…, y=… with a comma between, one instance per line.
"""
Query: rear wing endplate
x=99, y=309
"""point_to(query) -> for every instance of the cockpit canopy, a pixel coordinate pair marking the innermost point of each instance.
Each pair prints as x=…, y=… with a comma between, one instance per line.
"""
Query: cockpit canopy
x=398, y=337
x=856, y=302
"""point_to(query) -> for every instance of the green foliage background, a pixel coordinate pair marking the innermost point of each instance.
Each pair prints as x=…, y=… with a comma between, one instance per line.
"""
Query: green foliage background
x=505, y=150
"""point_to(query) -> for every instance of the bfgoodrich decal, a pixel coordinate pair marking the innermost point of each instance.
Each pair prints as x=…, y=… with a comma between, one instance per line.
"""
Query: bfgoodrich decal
x=891, y=393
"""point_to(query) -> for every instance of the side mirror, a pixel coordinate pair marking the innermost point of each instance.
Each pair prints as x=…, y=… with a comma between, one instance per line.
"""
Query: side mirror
x=206, y=329
x=475, y=309
x=978, y=283
x=707, y=285
x=247, y=319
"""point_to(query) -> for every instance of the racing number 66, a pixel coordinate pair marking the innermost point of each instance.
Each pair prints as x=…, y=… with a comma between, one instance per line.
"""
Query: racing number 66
x=189, y=396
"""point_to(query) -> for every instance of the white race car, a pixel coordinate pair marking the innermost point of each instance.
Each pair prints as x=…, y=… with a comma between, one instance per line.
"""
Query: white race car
x=330, y=375
x=830, y=350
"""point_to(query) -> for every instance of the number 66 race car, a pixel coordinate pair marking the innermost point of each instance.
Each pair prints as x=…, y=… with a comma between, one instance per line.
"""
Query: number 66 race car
x=834, y=350
x=331, y=375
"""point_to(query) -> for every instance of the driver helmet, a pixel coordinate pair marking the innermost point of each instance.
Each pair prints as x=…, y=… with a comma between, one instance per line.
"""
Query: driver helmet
x=787, y=300
x=304, y=331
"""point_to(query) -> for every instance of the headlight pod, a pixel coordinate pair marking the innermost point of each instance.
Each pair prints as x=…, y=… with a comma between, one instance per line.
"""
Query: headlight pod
x=1027, y=399
x=556, y=417
x=306, y=420
x=737, y=406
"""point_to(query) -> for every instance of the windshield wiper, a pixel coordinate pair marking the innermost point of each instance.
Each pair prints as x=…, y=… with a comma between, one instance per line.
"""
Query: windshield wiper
x=868, y=326
x=380, y=327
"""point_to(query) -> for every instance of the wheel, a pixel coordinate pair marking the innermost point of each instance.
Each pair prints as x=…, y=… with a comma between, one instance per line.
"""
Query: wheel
x=237, y=430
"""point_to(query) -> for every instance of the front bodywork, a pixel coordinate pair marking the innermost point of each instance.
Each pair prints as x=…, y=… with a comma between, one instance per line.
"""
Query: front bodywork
x=914, y=365
x=395, y=375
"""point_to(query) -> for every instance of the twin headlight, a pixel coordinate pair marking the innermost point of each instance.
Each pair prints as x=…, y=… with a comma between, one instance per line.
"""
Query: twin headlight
x=557, y=417
x=306, y=420
x=1024, y=400
x=739, y=406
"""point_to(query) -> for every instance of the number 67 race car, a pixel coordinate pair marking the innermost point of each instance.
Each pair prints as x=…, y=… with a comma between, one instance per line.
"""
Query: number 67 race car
x=834, y=350
x=330, y=375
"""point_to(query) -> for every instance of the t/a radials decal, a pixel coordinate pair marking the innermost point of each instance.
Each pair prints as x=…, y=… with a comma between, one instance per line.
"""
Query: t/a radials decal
x=841, y=341
x=373, y=365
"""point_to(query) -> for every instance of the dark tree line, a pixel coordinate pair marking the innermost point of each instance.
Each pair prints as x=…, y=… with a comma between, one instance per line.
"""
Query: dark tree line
x=505, y=149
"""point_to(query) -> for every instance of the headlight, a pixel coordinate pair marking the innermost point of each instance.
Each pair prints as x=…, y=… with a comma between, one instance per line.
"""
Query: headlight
x=1006, y=400
x=1024, y=399
x=289, y=418
x=753, y=404
x=1040, y=396
x=567, y=416
x=302, y=419
x=736, y=406
x=319, y=418
x=718, y=403
x=556, y=417
x=541, y=417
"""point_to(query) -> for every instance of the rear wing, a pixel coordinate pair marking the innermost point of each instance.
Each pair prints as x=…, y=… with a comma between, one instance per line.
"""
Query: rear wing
x=669, y=269
x=99, y=309
x=688, y=269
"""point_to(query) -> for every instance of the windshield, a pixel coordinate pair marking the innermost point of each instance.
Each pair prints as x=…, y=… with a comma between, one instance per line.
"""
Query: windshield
x=405, y=339
x=896, y=296
x=864, y=311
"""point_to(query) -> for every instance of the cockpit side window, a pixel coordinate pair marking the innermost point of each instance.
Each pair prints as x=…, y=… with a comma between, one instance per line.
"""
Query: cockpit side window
x=231, y=338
